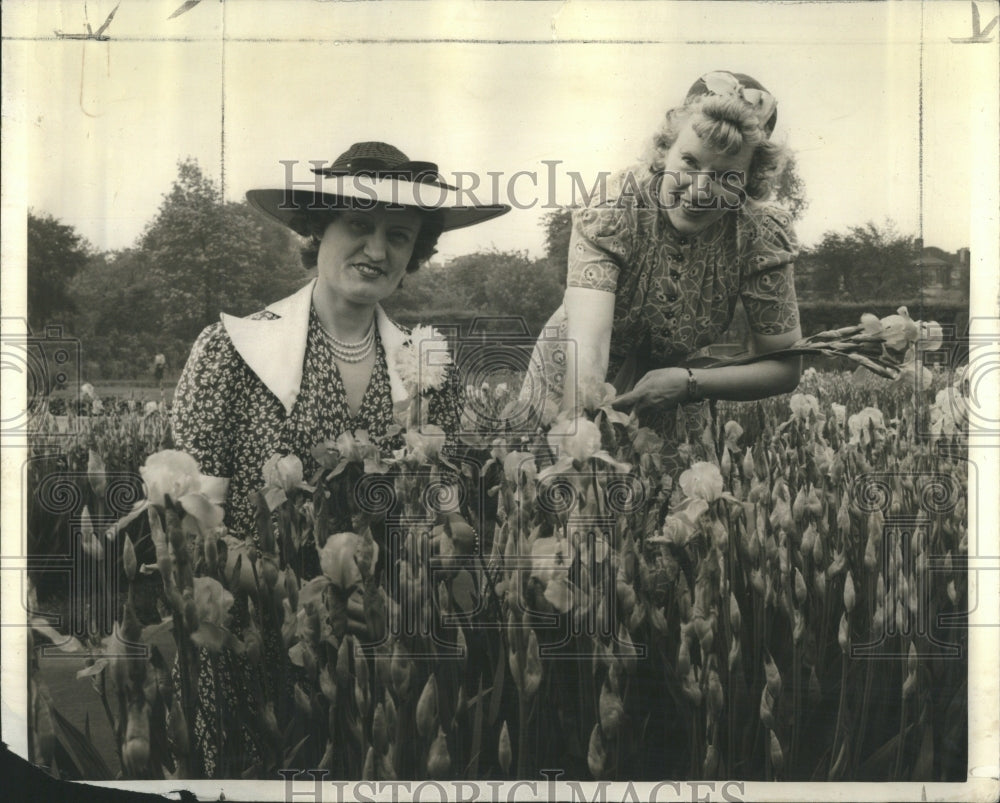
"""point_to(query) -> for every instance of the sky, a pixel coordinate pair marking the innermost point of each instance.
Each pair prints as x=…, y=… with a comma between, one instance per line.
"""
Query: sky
x=501, y=87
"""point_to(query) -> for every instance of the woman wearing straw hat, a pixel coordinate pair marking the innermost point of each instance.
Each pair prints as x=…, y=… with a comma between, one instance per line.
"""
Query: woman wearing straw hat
x=655, y=272
x=313, y=365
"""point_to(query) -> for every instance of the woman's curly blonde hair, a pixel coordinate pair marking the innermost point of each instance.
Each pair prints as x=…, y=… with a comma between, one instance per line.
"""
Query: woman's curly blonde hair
x=725, y=124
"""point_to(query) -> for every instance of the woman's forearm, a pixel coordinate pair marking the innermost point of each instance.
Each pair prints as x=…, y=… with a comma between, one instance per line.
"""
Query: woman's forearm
x=588, y=332
x=586, y=363
x=749, y=382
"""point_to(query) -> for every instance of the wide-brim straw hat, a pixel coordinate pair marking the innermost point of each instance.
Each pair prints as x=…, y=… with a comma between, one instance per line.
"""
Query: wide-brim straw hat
x=370, y=173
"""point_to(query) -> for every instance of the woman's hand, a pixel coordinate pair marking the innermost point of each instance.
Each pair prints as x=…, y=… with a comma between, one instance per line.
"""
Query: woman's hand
x=663, y=388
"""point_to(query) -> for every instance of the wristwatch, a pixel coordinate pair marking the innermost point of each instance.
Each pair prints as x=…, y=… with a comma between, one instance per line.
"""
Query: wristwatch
x=692, y=387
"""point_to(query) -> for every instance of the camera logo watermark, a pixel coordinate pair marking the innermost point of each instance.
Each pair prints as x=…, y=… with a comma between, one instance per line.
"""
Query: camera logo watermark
x=44, y=365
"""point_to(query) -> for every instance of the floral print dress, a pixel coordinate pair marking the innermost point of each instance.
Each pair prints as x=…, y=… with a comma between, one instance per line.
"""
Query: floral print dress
x=231, y=423
x=674, y=294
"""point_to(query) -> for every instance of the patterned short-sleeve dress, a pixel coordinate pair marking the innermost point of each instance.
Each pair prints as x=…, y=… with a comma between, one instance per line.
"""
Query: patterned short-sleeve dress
x=674, y=294
x=231, y=423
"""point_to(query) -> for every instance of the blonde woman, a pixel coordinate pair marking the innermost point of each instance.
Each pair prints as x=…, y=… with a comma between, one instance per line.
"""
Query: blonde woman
x=654, y=272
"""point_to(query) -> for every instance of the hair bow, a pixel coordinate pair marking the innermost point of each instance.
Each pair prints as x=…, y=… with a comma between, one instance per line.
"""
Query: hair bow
x=725, y=84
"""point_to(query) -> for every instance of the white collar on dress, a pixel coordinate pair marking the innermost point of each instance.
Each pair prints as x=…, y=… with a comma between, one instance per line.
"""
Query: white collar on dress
x=275, y=349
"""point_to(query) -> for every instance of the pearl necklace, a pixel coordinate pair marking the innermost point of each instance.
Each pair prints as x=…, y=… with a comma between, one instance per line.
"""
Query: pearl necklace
x=351, y=352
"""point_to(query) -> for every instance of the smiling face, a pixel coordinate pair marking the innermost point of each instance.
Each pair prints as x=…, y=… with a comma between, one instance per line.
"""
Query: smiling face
x=700, y=184
x=364, y=253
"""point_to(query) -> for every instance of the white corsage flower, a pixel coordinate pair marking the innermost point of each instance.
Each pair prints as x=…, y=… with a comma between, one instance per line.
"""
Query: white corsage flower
x=422, y=361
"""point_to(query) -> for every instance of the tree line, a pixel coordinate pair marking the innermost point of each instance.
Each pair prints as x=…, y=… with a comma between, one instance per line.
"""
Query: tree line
x=200, y=255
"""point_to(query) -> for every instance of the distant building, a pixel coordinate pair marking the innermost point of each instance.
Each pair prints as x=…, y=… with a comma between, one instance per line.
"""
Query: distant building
x=944, y=296
x=944, y=277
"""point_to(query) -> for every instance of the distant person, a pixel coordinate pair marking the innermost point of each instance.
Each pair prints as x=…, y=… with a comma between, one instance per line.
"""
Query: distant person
x=311, y=366
x=655, y=272
x=159, y=366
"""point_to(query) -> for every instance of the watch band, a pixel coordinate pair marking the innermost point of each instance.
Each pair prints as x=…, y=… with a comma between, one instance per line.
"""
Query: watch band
x=692, y=387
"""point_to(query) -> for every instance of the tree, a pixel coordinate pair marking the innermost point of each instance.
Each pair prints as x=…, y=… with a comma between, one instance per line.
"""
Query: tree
x=204, y=255
x=115, y=295
x=790, y=191
x=558, y=224
x=867, y=263
x=490, y=283
x=432, y=288
x=119, y=317
x=56, y=253
x=509, y=283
